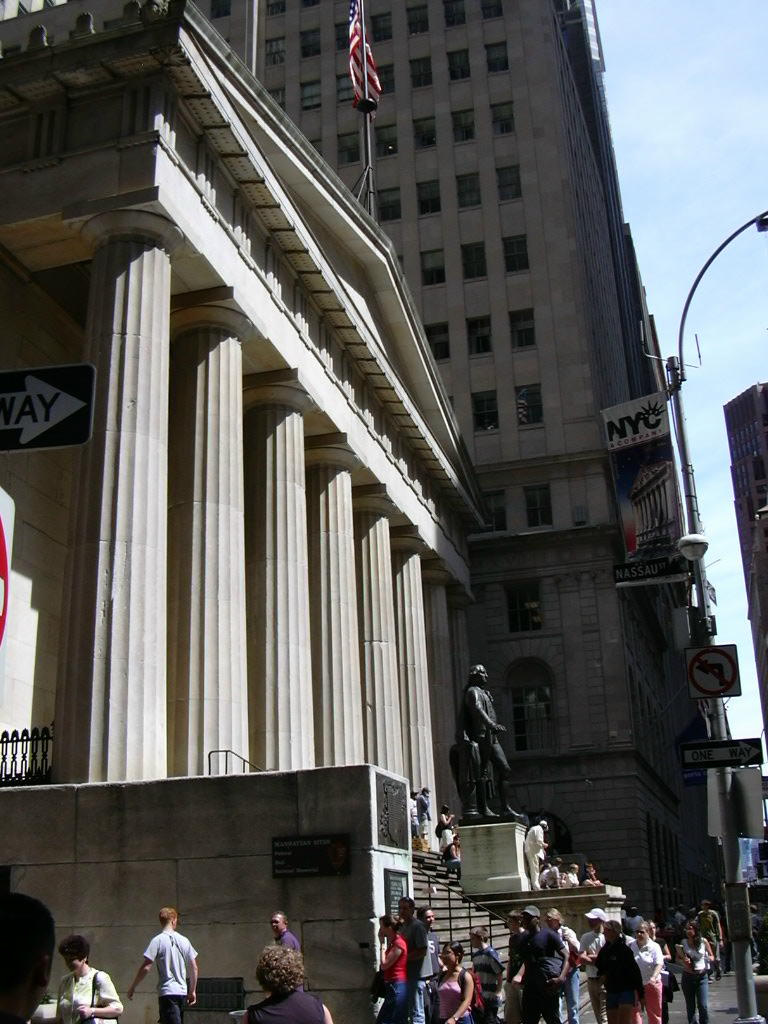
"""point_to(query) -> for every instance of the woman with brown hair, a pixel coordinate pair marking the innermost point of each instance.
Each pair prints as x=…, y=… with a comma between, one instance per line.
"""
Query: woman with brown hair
x=280, y=972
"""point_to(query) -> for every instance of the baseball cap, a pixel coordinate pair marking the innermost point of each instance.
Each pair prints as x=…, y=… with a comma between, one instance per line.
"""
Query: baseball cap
x=596, y=914
x=543, y=823
x=531, y=911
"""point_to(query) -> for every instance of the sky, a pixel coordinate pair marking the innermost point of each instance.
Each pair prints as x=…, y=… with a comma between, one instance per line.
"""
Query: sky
x=686, y=90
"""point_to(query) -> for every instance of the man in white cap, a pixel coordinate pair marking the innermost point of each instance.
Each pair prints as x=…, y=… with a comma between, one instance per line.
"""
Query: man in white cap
x=534, y=851
x=589, y=946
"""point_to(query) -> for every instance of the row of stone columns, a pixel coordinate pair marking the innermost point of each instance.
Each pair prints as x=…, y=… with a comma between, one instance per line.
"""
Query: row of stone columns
x=270, y=551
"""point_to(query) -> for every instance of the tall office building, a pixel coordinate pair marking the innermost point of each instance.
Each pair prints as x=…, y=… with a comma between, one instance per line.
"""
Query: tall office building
x=496, y=183
x=746, y=421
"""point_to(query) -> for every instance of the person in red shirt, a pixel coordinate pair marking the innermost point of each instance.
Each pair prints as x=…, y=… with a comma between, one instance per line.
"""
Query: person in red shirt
x=394, y=956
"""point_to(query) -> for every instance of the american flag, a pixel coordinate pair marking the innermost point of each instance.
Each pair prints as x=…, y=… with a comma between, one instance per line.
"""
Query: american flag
x=356, y=62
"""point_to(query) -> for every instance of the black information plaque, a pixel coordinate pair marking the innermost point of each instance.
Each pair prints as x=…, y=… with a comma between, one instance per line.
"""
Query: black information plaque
x=305, y=856
x=395, y=887
x=393, y=828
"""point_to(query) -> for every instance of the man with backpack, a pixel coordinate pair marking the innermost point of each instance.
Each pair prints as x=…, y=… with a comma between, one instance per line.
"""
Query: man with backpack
x=489, y=972
x=544, y=958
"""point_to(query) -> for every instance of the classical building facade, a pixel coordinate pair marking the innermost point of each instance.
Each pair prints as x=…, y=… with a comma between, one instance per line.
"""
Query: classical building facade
x=746, y=423
x=262, y=549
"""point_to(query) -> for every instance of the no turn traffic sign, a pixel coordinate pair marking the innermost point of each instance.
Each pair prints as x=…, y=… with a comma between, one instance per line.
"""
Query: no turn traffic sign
x=713, y=671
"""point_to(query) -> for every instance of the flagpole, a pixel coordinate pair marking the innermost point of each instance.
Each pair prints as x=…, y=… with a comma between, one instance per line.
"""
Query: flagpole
x=367, y=191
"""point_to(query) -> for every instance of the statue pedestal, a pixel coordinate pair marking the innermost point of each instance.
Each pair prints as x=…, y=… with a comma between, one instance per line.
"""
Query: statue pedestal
x=492, y=858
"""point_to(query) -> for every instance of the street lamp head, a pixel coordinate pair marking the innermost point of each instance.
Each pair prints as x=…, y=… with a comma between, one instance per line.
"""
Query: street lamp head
x=693, y=546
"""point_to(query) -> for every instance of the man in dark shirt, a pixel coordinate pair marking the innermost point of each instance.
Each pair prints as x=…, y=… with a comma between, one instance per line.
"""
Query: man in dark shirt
x=26, y=953
x=283, y=937
x=544, y=959
x=418, y=963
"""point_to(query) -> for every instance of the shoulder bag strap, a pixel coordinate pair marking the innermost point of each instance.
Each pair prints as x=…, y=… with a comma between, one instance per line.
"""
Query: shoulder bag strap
x=94, y=988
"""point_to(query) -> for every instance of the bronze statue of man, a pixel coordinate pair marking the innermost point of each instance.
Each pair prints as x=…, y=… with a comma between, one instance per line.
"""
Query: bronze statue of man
x=479, y=753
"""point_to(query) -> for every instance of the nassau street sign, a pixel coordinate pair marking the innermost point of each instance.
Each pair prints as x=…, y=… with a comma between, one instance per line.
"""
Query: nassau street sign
x=46, y=407
x=721, y=753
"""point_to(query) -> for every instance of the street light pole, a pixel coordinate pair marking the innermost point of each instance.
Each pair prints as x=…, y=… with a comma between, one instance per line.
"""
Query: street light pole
x=703, y=634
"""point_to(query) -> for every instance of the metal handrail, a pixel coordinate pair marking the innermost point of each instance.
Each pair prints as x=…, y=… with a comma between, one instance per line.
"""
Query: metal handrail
x=463, y=900
x=245, y=765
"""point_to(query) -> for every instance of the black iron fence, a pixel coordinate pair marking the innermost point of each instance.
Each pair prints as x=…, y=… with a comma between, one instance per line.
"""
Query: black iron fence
x=25, y=757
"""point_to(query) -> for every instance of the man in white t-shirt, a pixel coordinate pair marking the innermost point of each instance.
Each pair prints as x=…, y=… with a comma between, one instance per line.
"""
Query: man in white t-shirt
x=590, y=945
x=176, y=961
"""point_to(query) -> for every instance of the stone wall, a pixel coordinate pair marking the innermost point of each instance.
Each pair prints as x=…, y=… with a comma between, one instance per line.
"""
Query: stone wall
x=106, y=857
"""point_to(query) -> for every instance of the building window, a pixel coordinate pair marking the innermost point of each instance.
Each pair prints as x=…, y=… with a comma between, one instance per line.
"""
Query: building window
x=515, y=253
x=275, y=51
x=310, y=95
x=276, y=7
x=309, y=3
x=538, y=505
x=386, y=140
x=348, y=148
x=389, y=204
x=473, y=260
x=458, y=64
x=424, y=133
x=439, y=341
x=341, y=31
x=468, y=189
x=521, y=328
x=309, y=42
x=496, y=503
x=508, y=180
x=491, y=8
x=479, y=335
x=387, y=78
x=529, y=408
x=428, y=197
x=344, y=89
x=523, y=607
x=463, y=125
x=454, y=13
x=530, y=714
x=502, y=118
x=485, y=412
x=758, y=468
x=432, y=267
x=219, y=8
x=417, y=19
x=278, y=95
x=496, y=58
x=381, y=27
x=421, y=72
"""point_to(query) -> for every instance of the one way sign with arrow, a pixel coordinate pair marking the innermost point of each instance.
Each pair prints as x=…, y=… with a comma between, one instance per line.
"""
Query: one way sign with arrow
x=46, y=407
x=721, y=753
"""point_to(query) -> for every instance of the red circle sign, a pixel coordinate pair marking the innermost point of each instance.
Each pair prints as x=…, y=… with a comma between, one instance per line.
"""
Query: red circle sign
x=717, y=665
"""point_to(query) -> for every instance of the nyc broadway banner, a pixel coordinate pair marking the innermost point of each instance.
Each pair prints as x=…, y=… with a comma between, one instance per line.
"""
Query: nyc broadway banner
x=642, y=460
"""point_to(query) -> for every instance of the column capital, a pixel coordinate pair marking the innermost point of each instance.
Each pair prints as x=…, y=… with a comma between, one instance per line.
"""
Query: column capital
x=329, y=450
x=138, y=224
x=373, y=498
x=184, y=320
x=276, y=387
x=407, y=538
x=434, y=573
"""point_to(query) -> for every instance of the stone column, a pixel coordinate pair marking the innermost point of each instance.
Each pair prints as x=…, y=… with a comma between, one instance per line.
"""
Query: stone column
x=378, y=638
x=442, y=692
x=111, y=703
x=458, y=601
x=279, y=659
x=412, y=660
x=207, y=680
x=338, y=711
